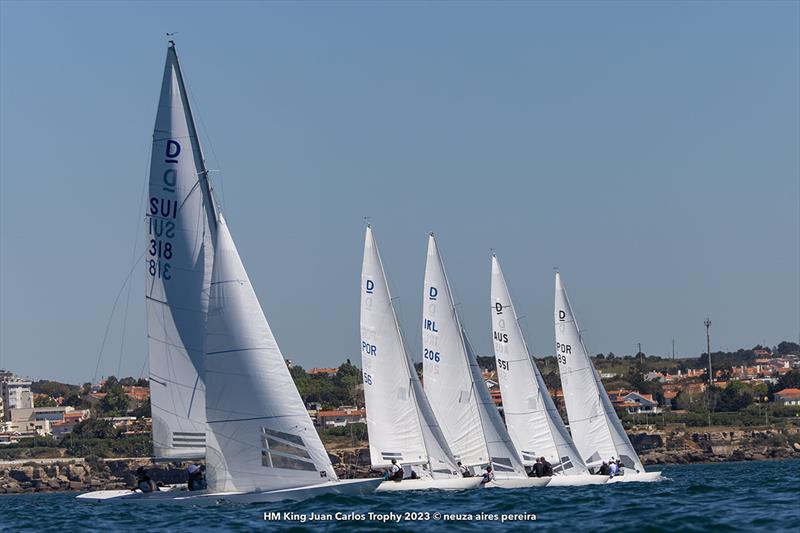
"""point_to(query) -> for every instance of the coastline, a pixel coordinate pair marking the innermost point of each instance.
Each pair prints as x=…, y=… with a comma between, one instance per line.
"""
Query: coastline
x=656, y=447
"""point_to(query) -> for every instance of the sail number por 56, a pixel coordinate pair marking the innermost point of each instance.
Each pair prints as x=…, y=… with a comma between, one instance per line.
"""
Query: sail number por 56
x=431, y=355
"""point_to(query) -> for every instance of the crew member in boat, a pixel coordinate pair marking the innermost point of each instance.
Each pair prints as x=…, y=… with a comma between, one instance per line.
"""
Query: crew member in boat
x=613, y=468
x=143, y=481
x=547, y=468
x=197, y=477
x=604, y=469
x=538, y=468
x=488, y=475
x=619, y=467
x=395, y=471
x=465, y=472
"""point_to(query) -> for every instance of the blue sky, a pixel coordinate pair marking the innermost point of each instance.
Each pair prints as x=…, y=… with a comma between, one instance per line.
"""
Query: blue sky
x=649, y=150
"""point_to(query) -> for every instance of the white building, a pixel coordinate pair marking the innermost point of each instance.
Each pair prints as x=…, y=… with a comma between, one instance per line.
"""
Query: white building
x=15, y=392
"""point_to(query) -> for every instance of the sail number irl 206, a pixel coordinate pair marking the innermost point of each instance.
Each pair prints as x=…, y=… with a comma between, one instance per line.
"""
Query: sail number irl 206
x=162, y=213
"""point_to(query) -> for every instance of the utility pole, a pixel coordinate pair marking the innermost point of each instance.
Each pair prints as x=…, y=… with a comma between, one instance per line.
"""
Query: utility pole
x=673, y=349
x=707, y=323
x=639, y=353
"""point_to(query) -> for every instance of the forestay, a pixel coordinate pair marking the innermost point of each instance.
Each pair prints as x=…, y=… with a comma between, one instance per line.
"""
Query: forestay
x=178, y=261
x=401, y=425
x=533, y=421
x=595, y=427
x=260, y=434
x=454, y=384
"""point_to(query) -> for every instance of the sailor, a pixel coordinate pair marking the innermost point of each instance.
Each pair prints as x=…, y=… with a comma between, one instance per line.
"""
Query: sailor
x=488, y=475
x=547, y=468
x=619, y=468
x=464, y=470
x=538, y=468
x=613, y=469
x=395, y=471
x=197, y=478
x=143, y=481
x=604, y=470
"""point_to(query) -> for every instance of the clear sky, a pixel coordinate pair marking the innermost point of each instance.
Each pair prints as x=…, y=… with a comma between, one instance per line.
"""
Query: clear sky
x=649, y=150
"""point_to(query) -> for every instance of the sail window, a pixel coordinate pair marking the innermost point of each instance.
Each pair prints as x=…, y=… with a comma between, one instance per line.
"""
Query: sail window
x=502, y=464
x=283, y=450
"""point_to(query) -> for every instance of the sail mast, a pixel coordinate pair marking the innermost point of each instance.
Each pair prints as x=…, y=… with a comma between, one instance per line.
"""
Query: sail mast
x=212, y=211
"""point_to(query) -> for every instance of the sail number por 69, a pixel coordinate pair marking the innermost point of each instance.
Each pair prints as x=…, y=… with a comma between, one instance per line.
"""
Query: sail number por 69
x=431, y=355
x=561, y=352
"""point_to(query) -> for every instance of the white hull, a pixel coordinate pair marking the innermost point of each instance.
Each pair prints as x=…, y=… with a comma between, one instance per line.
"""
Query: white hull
x=577, y=480
x=203, y=498
x=518, y=483
x=457, y=483
x=640, y=477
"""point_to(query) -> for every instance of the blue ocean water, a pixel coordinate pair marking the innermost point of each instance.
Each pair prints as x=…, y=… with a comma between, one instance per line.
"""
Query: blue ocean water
x=752, y=496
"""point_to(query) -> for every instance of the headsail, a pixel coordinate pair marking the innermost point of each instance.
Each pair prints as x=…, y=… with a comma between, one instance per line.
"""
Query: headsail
x=454, y=384
x=533, y=421
x=401, y=424
x=260, y=435
x=595, y=427
x=178, y=262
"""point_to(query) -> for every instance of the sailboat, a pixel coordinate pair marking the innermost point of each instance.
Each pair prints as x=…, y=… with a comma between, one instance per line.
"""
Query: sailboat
x=220, y=386
x=400, y=422
x=595, y=426
x=533, y=422
x=458, y=395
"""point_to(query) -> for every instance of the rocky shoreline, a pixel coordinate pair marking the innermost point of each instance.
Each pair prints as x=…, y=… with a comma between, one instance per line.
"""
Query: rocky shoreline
x=672, y=446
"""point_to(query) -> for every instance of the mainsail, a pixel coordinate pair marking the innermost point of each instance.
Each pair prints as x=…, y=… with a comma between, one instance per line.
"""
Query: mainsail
x=595, y=427
x=533, y=421
x=399, y=419
x=178, y=262
x=454, y=384
x=260, y=435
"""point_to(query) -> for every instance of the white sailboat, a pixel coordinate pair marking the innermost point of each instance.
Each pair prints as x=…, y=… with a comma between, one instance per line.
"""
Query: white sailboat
x=454, y=385
x=400, y=422
x=226, y=390
x=595, y=427
x=533, y=422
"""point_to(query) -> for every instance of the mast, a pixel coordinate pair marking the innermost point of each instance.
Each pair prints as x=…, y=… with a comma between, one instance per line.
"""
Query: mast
x=212, y=211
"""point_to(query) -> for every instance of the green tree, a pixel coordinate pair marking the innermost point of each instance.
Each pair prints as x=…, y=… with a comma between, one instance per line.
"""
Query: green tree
x=790, y=380
x=44, y=401
x=115, y=402
x=94, y=428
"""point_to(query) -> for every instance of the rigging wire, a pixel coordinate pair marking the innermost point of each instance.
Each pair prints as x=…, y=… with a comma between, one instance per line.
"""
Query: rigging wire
x=136, y=241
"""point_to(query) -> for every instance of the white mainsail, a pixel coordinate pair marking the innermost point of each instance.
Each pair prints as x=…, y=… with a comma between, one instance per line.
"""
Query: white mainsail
x=454, y=384
x=531, y=416
x=595, y=427
x=260, y=435
x=178, y=262
x=400, y=422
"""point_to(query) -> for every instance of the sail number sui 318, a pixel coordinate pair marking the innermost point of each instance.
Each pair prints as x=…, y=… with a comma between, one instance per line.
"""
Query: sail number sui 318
x=162, y=213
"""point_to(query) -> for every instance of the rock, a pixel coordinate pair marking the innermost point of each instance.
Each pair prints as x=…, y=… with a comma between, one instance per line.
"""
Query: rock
x=76, y=485
x=23, y=473
x=796, y=446
x=53, y=484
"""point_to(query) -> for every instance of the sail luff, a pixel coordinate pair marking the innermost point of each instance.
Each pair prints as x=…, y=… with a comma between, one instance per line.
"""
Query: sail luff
x=453, y=381
x=595, y=427
x=200, y=162
x=178, y=272
x=532, y=419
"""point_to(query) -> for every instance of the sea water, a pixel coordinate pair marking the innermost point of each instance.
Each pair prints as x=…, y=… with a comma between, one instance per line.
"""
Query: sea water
x=746, y=496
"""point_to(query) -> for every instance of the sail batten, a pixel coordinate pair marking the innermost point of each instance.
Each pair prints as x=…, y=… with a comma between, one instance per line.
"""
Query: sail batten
x=595, y=427
x=531, y=416
x=453, y=382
